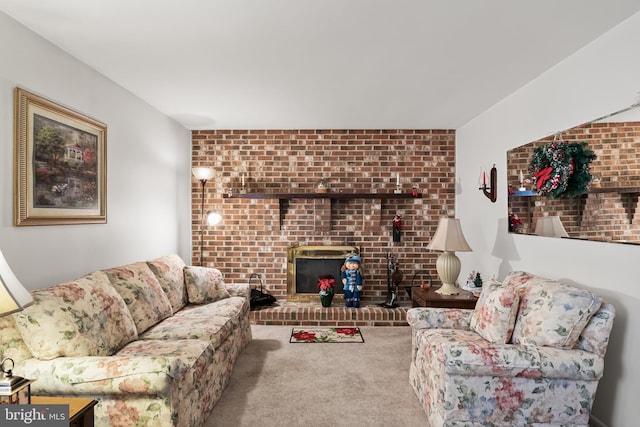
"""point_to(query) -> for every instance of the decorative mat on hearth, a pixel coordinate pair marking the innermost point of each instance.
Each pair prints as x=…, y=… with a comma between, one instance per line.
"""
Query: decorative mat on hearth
x=310, y=335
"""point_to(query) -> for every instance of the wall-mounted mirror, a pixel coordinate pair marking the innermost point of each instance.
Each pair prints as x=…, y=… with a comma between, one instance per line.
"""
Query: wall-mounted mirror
x=608, y=209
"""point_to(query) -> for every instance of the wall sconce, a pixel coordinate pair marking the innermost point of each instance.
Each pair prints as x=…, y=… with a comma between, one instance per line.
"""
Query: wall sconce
x=489, y=187
x=203, y=174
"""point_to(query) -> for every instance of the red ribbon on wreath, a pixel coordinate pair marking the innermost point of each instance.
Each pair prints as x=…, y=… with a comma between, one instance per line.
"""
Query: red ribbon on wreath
x=542, y=176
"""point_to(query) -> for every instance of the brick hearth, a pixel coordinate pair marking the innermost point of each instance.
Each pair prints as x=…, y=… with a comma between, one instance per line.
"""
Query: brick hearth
x=314, y=314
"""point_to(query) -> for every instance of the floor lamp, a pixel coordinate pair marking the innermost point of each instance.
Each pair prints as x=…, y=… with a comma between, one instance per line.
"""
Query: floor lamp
x=448, y=238
x=203, y=174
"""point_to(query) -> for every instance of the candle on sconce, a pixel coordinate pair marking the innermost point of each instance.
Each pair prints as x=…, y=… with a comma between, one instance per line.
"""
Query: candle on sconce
x=397, y=179
x=243, y=180
x=521, y=177
x=482, y=180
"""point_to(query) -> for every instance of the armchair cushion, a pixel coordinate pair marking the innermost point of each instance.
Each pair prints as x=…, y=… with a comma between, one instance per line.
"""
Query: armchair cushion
x=552, y=313
x=204, y=285
x=495, y=313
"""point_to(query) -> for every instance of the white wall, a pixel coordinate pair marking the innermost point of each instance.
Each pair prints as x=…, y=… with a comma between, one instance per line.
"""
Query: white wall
x=601, y=78
x=148, y=175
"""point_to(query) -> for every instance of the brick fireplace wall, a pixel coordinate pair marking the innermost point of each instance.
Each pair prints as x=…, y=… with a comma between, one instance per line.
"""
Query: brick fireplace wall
x=604, y=216
x=253, y=238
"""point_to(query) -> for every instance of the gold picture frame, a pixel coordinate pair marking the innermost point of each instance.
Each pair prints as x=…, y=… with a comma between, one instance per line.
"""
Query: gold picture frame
x=60, y=164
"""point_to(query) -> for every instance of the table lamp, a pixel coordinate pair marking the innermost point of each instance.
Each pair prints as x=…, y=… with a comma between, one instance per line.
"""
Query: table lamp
x=13, y=298
x=448, y=238
x=550, y=226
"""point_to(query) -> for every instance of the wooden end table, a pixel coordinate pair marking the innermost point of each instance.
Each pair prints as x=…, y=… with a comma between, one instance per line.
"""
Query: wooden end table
x=429, y=298
x=80, y=408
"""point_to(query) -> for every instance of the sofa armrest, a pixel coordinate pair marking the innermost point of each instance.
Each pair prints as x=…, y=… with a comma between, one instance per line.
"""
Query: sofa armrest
x=239, y=290
x=100, y=375
x=439, y=318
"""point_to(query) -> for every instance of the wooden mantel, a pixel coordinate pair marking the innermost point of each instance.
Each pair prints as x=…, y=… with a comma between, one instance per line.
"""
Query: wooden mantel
x=284, y=198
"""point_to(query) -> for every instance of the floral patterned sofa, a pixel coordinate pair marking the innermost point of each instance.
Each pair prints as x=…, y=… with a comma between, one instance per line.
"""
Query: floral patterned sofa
x=530, y=354
x=155, y=342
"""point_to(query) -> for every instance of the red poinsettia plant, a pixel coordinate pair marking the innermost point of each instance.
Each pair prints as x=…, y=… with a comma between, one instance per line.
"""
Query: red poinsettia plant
x=327, y=285
x=514, y=223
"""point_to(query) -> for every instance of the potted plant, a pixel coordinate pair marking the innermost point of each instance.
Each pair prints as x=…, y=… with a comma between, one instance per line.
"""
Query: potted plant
x=327, y=286
x=515, y=223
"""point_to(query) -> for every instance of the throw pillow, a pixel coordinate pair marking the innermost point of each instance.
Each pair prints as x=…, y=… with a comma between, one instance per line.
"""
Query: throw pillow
x=142, y=293
x=83, y=317
x=169, y=272
x=204, y=285
x=553, y=314
x=495, y=313
x=11, y=343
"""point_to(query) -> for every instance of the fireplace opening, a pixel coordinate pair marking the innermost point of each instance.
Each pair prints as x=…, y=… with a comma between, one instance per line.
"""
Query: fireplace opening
x=305, y=264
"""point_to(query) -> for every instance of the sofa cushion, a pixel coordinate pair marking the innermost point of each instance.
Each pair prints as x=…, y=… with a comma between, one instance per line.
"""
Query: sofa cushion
x=552, y=313
x=83, y=317
x=213, y=329
x=142, y=293
x=204, y=285
x=233, y=307
x=169, y=271
x=495, y=313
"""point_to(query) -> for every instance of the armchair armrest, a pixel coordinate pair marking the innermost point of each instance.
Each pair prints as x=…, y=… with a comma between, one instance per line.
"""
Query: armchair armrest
x=439, y=318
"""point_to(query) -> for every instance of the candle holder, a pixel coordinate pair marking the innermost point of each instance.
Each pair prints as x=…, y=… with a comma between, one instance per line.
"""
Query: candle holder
x=490, y=190
x=398, y=189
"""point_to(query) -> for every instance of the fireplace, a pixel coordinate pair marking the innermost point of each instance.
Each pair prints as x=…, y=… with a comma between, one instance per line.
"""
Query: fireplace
x=306, y=263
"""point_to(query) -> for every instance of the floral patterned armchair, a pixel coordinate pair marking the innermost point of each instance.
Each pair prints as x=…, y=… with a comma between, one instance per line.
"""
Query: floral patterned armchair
x=530, y=353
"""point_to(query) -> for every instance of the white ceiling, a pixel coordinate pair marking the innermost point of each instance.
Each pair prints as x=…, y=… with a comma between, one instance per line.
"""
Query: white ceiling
x=303, y=64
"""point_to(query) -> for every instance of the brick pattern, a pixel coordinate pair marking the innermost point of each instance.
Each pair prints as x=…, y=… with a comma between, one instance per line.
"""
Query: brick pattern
x=601, y=216
x=251, y=237
x=314, y=314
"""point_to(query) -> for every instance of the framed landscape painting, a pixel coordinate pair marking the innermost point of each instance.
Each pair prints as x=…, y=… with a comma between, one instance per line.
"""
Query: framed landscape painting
x=60, y=172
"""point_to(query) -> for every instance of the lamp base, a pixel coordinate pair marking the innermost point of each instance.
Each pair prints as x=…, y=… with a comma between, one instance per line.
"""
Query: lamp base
x=448, y=267
x=448, y=289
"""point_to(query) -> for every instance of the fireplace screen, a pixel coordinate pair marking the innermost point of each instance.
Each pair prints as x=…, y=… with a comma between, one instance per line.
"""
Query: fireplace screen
x=306, y=263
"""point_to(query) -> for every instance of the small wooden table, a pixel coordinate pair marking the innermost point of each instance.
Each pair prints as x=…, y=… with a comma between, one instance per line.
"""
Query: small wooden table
x=429, y=298
x=80, y=408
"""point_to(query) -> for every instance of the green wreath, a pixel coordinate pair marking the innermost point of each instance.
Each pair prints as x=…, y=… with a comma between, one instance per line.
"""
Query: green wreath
x=561, y=169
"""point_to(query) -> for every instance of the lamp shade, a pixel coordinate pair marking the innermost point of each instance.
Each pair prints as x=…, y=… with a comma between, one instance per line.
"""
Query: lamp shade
x=213, y=218
x=202, y=173
x=550, y=226
x=13, y=296
x=449, y=237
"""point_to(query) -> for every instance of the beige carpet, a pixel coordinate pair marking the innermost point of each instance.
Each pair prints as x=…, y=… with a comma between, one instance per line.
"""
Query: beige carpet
x=275, y=383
